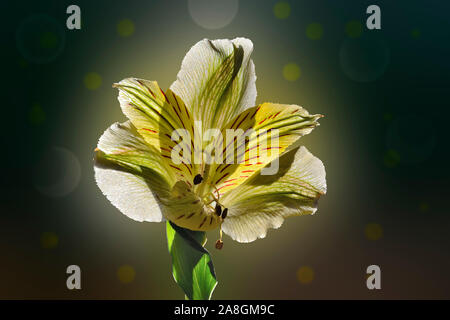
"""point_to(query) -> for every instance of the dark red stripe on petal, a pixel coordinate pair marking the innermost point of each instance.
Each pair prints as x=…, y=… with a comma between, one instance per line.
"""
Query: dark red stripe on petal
x=224, y=175
x=190, y=216
x=224, y=168
x=175, y=167
x=165, y=97
x=201, y=224
x=235, y=120
x=239, y=125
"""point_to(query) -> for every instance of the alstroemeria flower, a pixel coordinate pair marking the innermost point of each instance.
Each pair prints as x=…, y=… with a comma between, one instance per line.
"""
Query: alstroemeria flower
x=215, y=87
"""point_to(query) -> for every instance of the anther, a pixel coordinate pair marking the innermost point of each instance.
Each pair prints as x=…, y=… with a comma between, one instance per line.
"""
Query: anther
x=224, y=213
x=219, y=244
x=218, y=209
x=198, y=179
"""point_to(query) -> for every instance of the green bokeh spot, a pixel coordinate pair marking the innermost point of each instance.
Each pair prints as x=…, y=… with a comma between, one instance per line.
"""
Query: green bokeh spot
x=48, y=40
x=125, y=28
x=354, y=29
x=282, y=10
x=314, y=31
x=36, y=114
x=22, y=63
x=415, y=33
x=92, y=80
x=291, y=72
x=391, y=158
x=388, y=116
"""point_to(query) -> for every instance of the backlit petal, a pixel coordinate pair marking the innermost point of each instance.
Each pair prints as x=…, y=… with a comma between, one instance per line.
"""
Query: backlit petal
x=217, y=80
x=270, y=129
x=131, y=173
x=264, y=202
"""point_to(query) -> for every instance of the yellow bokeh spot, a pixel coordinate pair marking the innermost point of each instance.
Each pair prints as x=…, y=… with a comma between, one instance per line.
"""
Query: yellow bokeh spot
x=305, y=275
x=92, y=80
x=314, y=31
x=391, y=158
x=424, y=207
x=49, y=240
x=354, y=29
x=36, y=114
x=126, y=274
x=373, y=231
x=291, y=72
x=125, y=28
x=282, y=10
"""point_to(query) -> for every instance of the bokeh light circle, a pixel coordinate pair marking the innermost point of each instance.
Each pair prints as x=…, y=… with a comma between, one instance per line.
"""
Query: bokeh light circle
x=36, y=115
x=40, y=39
x=364, y=59
x=126, y=274
x=354, y=29
x=373, y=231
x=92, y=80
x=291, y=71
x=424, y=207
x=416, y=33
x=314, y=31
x=282, y=10
x=49, y=240
x=125, y=28
x=391, y=158
x=213, y=14
x=412, y=138
x=305, y=275
x=58, y=173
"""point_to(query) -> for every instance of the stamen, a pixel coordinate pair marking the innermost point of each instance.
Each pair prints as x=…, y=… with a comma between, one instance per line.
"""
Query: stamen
x=224, y=213
x=219, y=242
x=218, y=209
x=198, y=179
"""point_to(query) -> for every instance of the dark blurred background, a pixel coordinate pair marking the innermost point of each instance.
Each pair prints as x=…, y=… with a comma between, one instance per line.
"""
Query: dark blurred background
x=383, y=141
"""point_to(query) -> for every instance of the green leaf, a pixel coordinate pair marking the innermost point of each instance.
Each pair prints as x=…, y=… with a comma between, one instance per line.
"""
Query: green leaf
x=192, y=265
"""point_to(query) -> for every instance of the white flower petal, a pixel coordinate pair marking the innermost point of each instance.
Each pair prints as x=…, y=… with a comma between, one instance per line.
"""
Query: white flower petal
x=129, y=193
x=217, y=80
x=130, y=173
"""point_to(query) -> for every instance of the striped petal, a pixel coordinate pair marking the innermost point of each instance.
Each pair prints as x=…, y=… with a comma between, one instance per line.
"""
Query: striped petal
x=217, y=80
x=130, y=173
x=265, y=201
x=261, y=135
x=156, y=115
x=136, y=179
